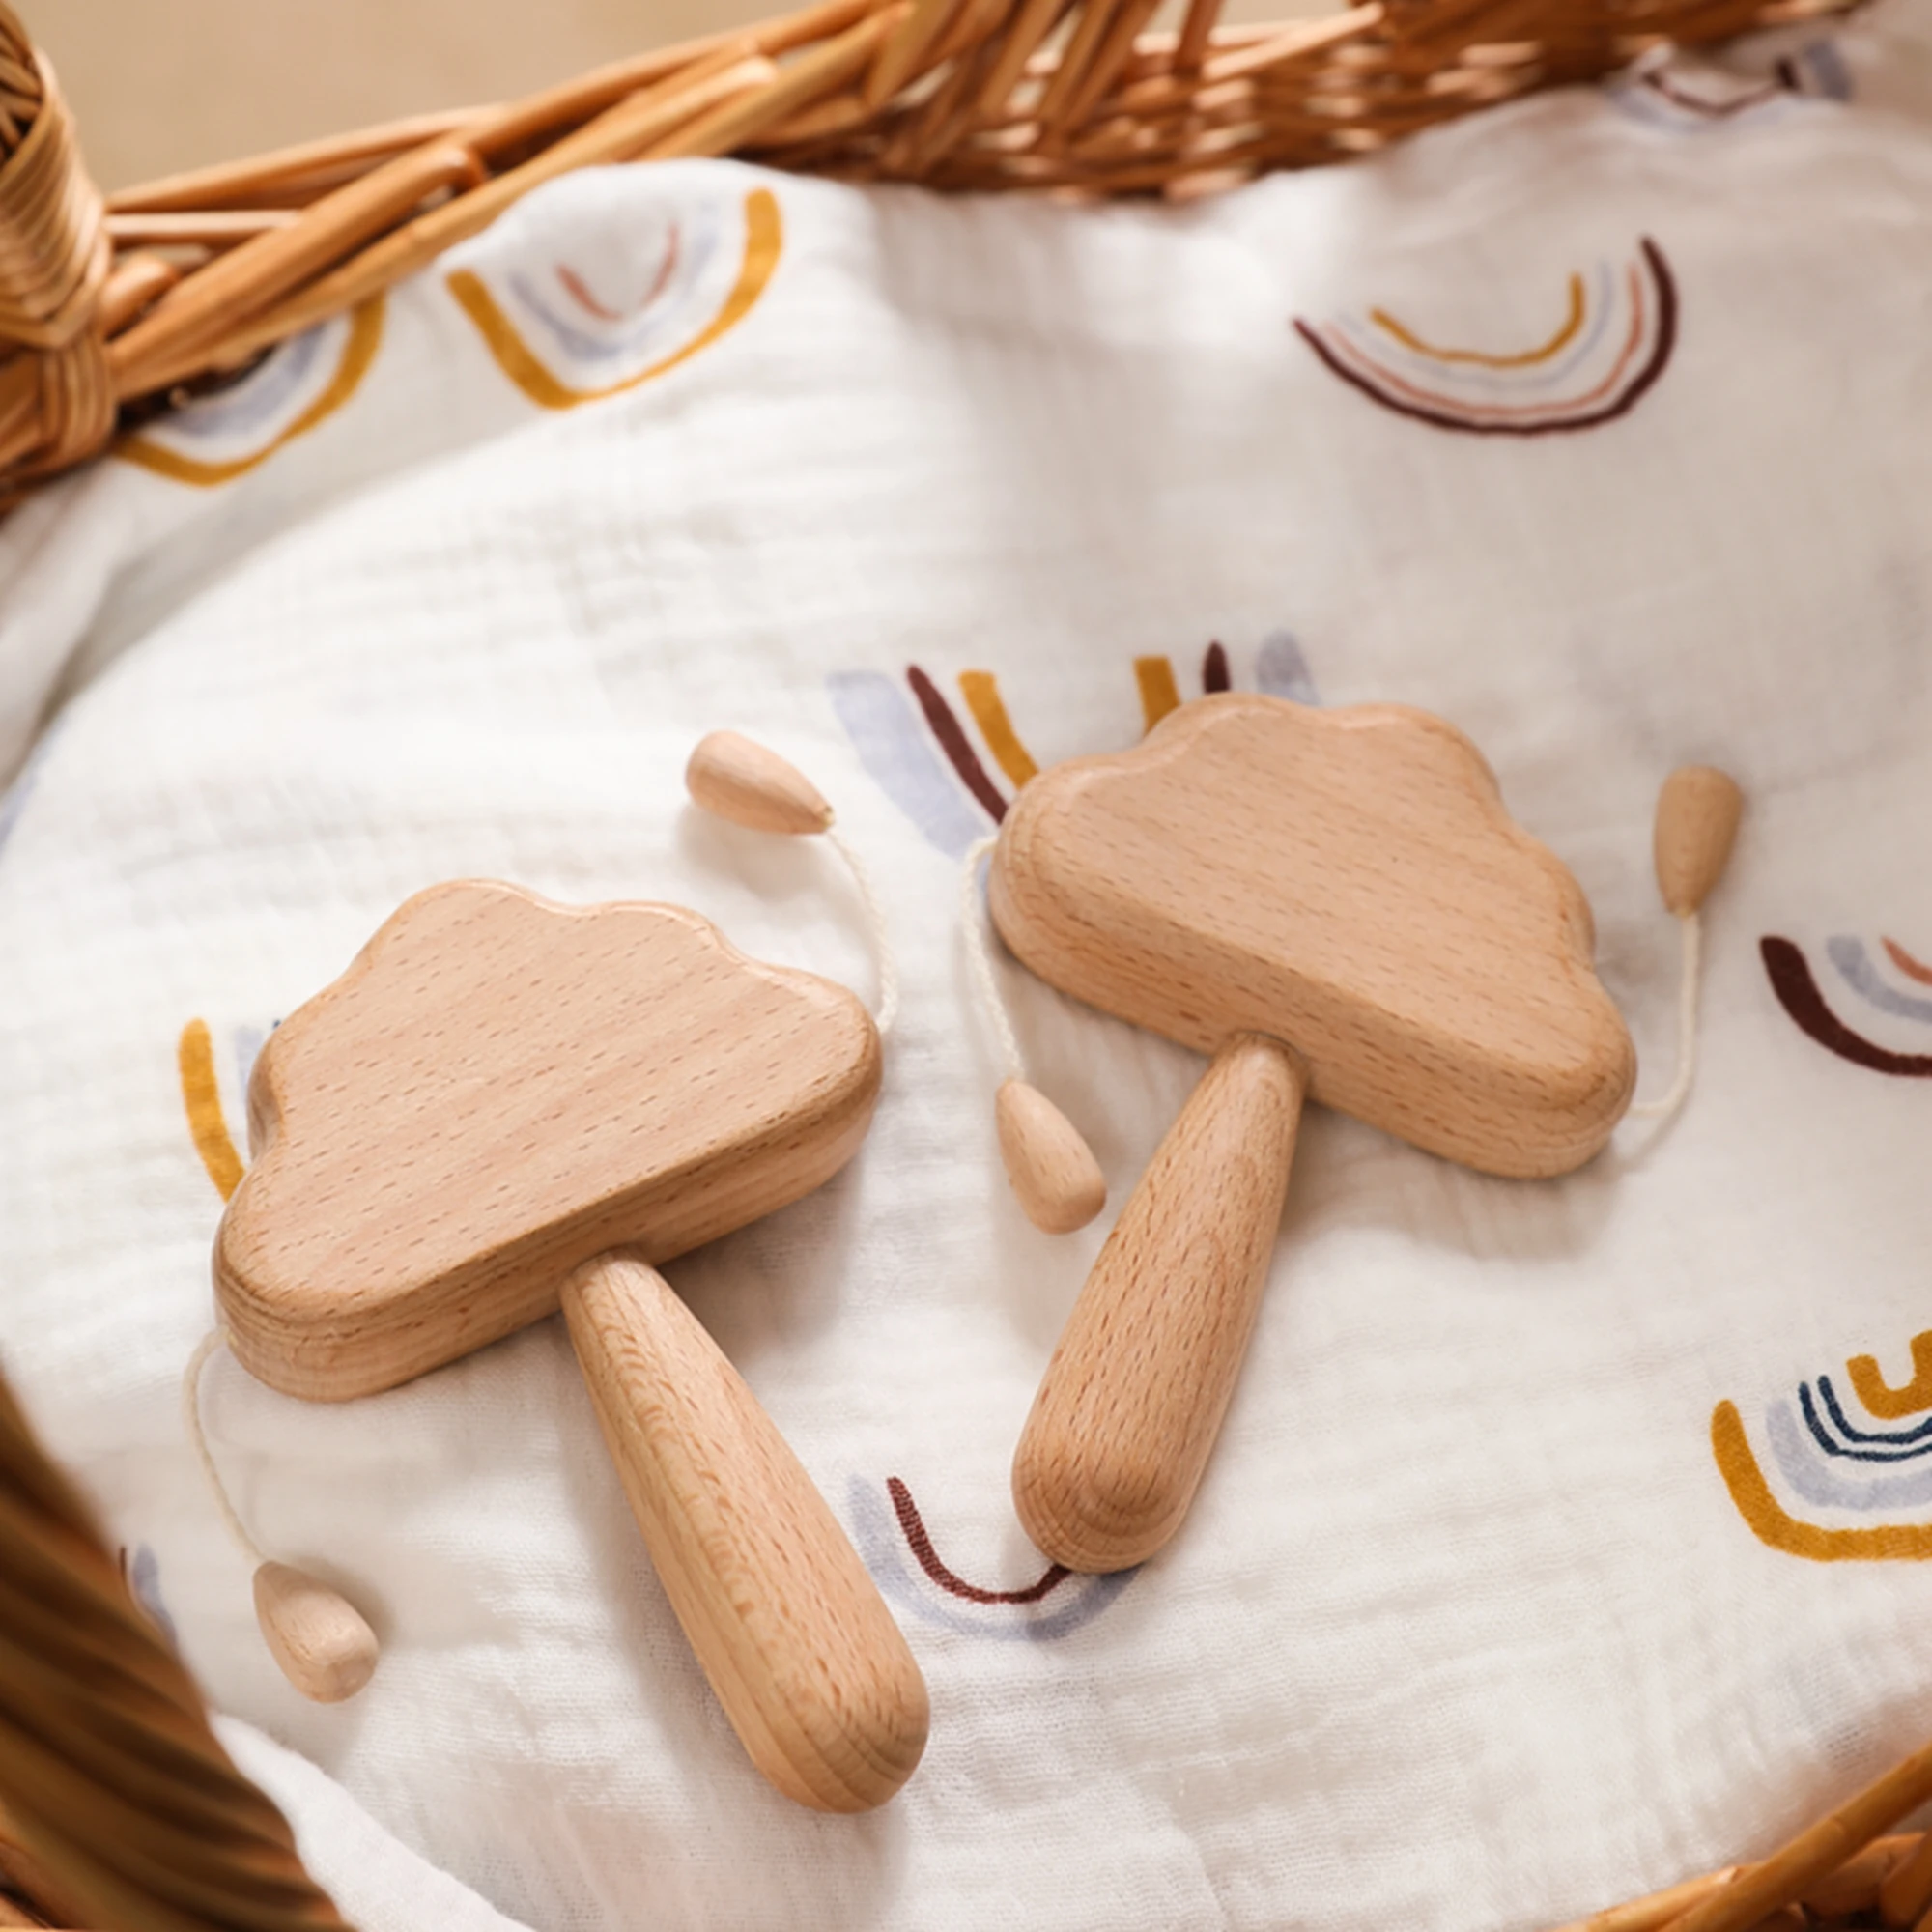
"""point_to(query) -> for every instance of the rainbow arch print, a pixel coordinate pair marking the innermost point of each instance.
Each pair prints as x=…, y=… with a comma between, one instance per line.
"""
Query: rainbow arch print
x=1885, y=988
x=292, y=390
x=202, y=1104
x=1613, y=332
x=1845, y=1473
x=627, y=292
x=1688, y=94
x=896, y=1544
x=953, y=767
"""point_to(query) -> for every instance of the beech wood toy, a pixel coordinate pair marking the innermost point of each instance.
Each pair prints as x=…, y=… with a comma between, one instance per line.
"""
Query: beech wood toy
x=1331, y=904
x=1048, y=1162
x=1697, y=816
x=506, y=1105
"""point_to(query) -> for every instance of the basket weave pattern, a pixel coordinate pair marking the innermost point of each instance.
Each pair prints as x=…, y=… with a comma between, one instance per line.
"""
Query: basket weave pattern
x=124, y=1808
x=104, y=305
x=118, y=1807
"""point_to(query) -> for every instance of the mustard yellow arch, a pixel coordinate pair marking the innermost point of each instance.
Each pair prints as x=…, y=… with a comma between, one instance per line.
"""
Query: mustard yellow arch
x=201, y=1100
x=764, y=238
x=1772, y=1524
x=365, y=338
x=1880, y=1397
x=1526, y=358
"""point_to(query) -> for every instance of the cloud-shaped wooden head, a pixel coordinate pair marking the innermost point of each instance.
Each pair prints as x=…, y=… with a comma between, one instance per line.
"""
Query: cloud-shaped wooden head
x=500, y=1087
x=1348, y=882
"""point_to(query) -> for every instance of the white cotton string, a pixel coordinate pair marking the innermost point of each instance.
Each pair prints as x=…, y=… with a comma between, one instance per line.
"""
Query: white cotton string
x=884, y=965
x=210, y=1345
x=979, y=954
x=1679, y=1089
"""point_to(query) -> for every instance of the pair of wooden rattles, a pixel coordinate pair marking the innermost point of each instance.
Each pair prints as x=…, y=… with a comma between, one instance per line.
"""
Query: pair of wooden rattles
x=1330, y=904
x=506, y=1104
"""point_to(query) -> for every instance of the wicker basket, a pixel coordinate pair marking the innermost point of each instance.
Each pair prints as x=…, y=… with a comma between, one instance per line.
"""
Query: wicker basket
x=107, y=307
x=117, y=1806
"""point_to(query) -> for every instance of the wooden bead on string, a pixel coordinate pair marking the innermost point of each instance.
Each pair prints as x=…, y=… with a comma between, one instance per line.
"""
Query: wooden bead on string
x=733, y=776
x=1697, y=813
x=1052, y=1168
x=320, y=1639
x=322, y=1642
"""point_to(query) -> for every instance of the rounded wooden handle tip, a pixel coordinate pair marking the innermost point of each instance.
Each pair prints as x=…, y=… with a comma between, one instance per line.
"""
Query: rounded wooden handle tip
x=734, y=777
x=1132, y=1400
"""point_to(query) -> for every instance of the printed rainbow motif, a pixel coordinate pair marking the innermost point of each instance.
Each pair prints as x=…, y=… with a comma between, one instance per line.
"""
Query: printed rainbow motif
x=690, y=273
x=1897, y=991
x=892, y=1537
x=1691, y=96
x=300, y=384
x=937, y=762
x=201, y=1096
x=1831, y=1456
x=1614, y=332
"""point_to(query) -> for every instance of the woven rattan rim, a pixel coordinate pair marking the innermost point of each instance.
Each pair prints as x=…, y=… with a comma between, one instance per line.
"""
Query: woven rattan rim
x=117, y=1808
x=106, y=307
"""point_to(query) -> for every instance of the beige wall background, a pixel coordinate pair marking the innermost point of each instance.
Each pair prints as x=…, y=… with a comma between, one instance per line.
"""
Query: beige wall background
x=158, y=85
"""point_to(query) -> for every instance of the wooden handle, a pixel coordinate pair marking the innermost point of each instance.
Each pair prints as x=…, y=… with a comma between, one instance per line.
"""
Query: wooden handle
x=799, y=1647
x=1134, y=1398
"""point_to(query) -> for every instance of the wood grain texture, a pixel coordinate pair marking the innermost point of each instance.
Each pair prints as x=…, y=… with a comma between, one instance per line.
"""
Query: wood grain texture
x=790, y=1629
x=321, y=1640
x=1348, y=882
x=1048, y=1162
x=1133, y=1399
x=499, y=1089
x=1698, y=815
x=736, y=777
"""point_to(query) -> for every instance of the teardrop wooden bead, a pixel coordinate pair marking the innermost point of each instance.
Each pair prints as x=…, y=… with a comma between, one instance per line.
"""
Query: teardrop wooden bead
x=1697, y=813
x=734, y=778
x=322, y=1642
x=1052, y=1168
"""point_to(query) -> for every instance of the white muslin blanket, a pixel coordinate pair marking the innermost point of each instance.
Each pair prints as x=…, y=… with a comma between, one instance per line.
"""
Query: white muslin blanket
x=1564, y=1538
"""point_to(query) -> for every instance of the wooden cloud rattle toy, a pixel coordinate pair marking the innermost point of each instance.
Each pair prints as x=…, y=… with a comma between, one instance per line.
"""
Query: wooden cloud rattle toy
x=505, y=1106
x=1330, y=904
